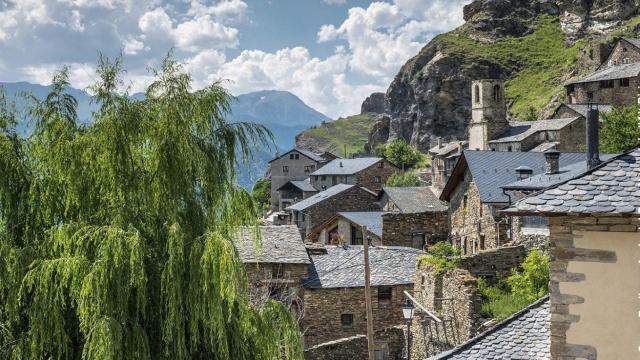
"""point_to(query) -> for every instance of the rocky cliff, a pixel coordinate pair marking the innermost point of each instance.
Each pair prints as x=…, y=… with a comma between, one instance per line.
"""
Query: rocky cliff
x=534, y=45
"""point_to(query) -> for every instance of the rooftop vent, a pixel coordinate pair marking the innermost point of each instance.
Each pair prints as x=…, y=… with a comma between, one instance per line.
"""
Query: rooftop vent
x=523, y=172
x=551, y=162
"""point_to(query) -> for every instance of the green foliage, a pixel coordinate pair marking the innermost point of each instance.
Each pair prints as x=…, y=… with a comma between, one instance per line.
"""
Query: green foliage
x=116, y=237
x=442, y=256
x=351, y=132
x=405, y=179
x=539, y=58
x=261, y=192
x=518, y=290
x=620, y=130
x=400, y=153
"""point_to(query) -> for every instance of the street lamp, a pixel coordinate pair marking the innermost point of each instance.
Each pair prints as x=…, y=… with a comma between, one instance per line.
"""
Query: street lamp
x=407, y=313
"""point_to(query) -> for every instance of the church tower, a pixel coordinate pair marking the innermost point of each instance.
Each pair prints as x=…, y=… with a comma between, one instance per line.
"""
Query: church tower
x=488, y=113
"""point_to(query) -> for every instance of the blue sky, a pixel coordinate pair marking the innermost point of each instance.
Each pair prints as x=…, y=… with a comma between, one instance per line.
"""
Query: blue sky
x=331, y=53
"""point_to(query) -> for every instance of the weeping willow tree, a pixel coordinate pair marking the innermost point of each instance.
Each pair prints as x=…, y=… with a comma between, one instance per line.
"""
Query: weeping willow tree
x=116, y=237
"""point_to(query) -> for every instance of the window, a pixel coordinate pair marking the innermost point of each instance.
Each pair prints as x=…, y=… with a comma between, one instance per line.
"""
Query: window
x=315, y=178
x=477, y=93
x=285, y=169
x=294, y=156
x=606, y=84
x=624, y=82
x=381, y=164
x=324, y=178
x=497, y=93
x=482, y=244
x=277, y=271
x=384, y=296
x=590, y=95
x=290, y=156
x=356, y=236
x=624, y=49
x=309, y=168
x=464, y=201
x=509, y=148
x=378, y=179
x=346, y=321
x=571, y=88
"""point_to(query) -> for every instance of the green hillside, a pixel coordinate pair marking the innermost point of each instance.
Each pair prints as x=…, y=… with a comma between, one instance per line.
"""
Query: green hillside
x=333, y=136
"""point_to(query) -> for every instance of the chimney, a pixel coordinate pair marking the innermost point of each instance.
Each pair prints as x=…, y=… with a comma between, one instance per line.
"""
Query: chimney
x=439, y=142
x=593, y=137
x=552, y=162
x=523, y=172
x=340, y=163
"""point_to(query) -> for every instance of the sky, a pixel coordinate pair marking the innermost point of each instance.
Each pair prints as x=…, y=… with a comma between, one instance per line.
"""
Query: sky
x=330, y=53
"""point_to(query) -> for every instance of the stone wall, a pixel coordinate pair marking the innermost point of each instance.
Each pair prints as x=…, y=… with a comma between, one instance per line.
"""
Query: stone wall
x=353, y=199
x=367, y=177
x=390, y=340
x=324, y=307
x=572, y=138
x=469, y=222
x=398, y=229
x=455, y=299
x=495, y=262
x=299, y=169
x=616, y=96
x=565, y=232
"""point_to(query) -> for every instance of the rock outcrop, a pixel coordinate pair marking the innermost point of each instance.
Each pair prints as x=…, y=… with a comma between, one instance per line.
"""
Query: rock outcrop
x=373, y=104
x=430, y=96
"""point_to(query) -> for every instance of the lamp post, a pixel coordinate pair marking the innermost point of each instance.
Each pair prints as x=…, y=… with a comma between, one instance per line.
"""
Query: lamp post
x=407, y=313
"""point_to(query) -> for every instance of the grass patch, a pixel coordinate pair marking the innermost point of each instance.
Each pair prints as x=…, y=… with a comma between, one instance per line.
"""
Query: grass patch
x=538, y=61
x=351, y=132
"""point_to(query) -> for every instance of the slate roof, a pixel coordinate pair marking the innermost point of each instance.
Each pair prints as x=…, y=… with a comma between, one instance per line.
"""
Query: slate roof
x=611, y=73
x=278, y=244
x=541, y=181
x=582, y=108
x=525, y=335
x=545, y=146
x=346, y=166
x=415, y=199
x=521, y=130
x=323, y=195
x=343, y=266
x=491, y=170
x=613, y=187
x=304, y=185
x=371, y=219
x=308, y=153
x=447, y=148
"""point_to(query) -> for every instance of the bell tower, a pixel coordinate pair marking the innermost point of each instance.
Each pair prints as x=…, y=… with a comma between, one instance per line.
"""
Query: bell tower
x=488, y=113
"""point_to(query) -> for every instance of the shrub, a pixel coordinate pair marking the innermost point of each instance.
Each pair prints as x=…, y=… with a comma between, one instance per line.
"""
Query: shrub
x=403, y=179
x=620, y=130
x=442, y=256
x=261, y=192
x=400, y=153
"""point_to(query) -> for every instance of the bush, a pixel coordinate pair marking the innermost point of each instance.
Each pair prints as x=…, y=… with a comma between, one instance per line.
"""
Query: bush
x=403, y=180
x=517, y=291
x=620, y=130
x=442, y=256
x=400, y=153
x=261, y=192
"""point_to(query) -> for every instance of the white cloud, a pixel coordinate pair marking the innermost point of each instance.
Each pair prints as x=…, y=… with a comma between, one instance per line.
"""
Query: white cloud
x=156, y=22
x=202, y=33
x=132, y=46
x=81, y=75
x=335, y=2
x=75, y=22
x=222, y=11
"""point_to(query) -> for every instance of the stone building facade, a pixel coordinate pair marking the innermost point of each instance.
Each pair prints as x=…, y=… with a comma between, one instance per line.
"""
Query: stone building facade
x=390, y=344
x=415, y=230
x=594, y=238
x=488, y=113
x=295, y=164
x=319, y=208
x=345, y=228
x=615, y=82
x=443, y=160
x=368, y=172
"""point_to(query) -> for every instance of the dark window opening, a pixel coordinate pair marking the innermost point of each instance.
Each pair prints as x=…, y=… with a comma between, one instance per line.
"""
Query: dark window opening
x=482, y=243
x=324, y=178
x=509, y=149
x=606, y=84
x=477, y=95
x=356, y=236
x=497, y=93
x=378, y=179
x=385, y=294
x=346, y=321
x=418, y=240
x=285, y=169
x=464, y=201
x=277, y=271
x=381, y=164
x=624, y=82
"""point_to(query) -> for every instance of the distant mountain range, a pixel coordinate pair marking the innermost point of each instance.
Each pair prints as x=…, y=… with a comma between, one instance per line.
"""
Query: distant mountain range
x=282, y=112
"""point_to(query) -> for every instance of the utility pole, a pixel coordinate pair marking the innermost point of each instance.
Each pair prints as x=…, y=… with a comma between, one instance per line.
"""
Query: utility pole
x=367, y=294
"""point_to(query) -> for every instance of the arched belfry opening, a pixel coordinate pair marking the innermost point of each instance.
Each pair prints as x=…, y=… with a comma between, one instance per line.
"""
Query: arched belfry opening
x=497, y=93
x=476, y=91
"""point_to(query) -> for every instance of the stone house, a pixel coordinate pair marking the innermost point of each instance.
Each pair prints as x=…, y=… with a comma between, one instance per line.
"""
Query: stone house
x=334, y=293
x=595, y=250
x=317, y=209
x=368, y=172
x=614, y=82
x=276, y=262
x=566, y=110
x=294, y=191
x=475, y=195
x=411, y=217
x=443, y=159
x=295, y=164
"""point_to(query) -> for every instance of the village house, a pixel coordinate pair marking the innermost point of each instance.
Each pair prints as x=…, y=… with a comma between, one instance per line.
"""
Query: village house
x=411, y=217
x=475, y=194
x=296, y=164
x=595, y=250
x=614, y=82
x=276, y=263
x=490, y=129
x=294, y=191
x=334, y=293
x=368, y=172
x=317, y=209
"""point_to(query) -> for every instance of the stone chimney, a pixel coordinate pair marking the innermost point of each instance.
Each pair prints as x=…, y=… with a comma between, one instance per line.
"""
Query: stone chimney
x=551, y=162
x=593, y=138
x=439, y=142
x=341, y=164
